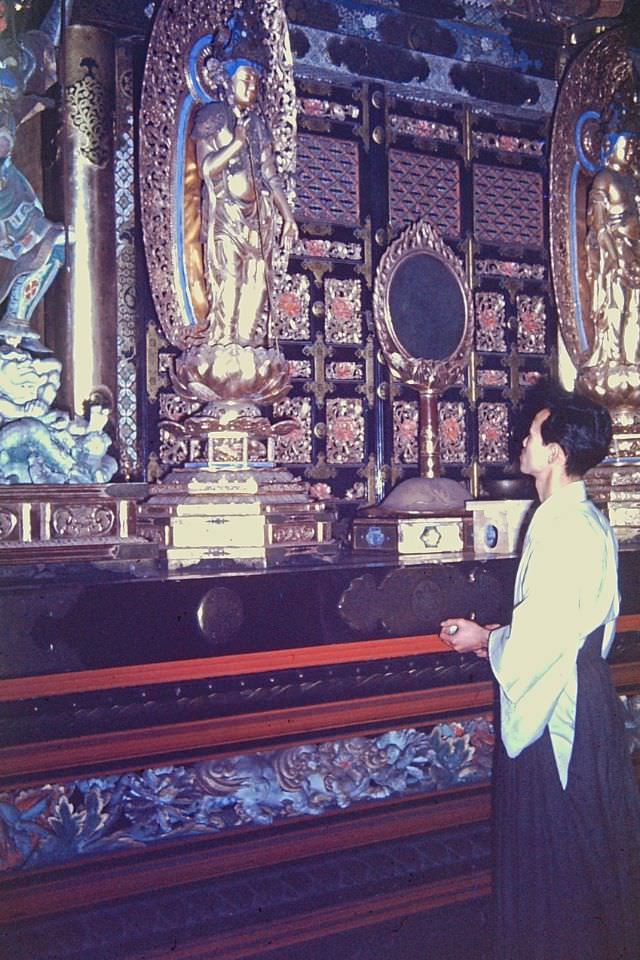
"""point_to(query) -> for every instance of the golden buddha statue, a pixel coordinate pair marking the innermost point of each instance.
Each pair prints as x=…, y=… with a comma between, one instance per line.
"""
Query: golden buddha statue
x=613, y=254
x=246, y=231
x=240, y=200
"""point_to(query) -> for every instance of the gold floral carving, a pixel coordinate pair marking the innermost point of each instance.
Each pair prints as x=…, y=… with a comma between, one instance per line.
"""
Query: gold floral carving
x=294, y=533
x=8, y=523
x=90, y=521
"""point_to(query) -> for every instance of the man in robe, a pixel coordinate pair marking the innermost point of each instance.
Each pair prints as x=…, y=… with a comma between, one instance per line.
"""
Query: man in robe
x=566, y=805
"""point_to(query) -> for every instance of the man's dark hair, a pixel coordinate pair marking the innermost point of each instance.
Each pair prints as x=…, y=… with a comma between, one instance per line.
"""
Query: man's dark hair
x=580, y=426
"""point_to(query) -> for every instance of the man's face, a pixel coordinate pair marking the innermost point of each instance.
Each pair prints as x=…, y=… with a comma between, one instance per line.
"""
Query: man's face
x=245, y=87
x=534, y=457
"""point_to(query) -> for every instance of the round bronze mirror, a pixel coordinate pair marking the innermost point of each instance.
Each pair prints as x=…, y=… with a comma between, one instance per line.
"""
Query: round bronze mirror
x=423, y=315
x=426, y=306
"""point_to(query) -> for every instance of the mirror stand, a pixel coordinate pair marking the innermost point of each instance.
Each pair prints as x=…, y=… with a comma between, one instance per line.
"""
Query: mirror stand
x=422, y=310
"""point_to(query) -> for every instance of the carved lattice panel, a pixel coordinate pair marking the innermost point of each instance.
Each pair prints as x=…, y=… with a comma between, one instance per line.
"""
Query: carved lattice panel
x=424, y=186
x=493, y=379
x=295, y=447
x=327, y=180
x=493, y=433
x=531, y=316
x=510, y=269
x=508, y=206
x=345, y=431
x=452, y=432
x=345, y=370
x=291, y=321
x=490, y=309
x=343, y=311
x=300, y=369
x=405, y=431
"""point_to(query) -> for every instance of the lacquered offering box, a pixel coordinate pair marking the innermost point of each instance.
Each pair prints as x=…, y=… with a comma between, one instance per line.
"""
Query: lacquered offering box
x=499, y=525
x=409, y=535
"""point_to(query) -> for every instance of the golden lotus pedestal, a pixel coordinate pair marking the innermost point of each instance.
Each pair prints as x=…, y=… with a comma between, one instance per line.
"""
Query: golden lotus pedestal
x=616, y=490
x=615, y=484
x=245, y=512
x=232, y=502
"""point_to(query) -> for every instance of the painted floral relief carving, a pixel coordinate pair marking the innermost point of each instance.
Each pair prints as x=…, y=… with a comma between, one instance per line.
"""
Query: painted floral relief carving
x=57, y=823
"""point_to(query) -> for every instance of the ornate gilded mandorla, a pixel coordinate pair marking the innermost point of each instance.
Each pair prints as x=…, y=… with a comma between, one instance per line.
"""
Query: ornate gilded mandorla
x=218, y=228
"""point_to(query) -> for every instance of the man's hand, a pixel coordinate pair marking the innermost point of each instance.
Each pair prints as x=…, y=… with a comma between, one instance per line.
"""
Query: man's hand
x=466, y=636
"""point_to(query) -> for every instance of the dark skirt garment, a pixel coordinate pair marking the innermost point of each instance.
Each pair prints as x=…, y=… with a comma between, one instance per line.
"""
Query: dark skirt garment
x=567, y=877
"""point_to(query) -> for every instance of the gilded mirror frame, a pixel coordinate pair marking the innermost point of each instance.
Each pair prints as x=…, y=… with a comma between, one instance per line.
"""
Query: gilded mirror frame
x=429, y=377
x=421, y=373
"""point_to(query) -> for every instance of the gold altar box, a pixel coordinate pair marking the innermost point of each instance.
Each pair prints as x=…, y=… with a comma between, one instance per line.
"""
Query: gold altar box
x=409, y=535
x=71, y=523
x=499, y=525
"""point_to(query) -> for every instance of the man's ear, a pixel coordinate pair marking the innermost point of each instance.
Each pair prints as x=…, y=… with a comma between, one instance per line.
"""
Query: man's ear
x=557, y=454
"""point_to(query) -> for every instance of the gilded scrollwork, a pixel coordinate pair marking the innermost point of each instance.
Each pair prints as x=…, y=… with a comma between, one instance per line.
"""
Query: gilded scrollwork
x=493, y=431
x=343, y=323
x=510, y=269
x=294, y=447
x=345, y=431
x=300, y=369
x=423, y=129
x=531, y=320
x=344, y=370
x=80, y=521
x=490, y=322
x=291, y=317
x=87, y=103
x=329, y=249
x=508, y=143
x=314, y=107
x=452, y=432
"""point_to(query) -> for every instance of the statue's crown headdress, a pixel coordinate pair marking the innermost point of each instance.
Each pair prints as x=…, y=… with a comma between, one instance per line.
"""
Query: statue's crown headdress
x=242, y=40
x=621, y=118
x=622, y=115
